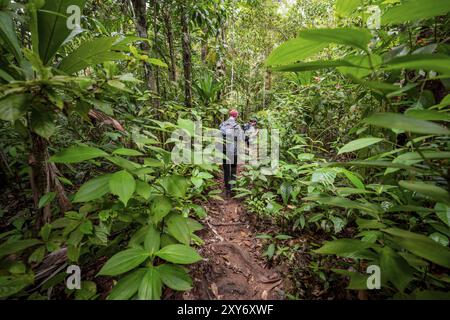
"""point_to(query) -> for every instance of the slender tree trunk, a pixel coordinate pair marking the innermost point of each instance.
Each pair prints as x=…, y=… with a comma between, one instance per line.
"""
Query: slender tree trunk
x=169, y=35
x=187, y=55
x=44, y=179
x=140, y=17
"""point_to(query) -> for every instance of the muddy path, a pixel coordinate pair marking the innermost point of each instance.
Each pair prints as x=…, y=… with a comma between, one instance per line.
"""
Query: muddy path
x=233, y=268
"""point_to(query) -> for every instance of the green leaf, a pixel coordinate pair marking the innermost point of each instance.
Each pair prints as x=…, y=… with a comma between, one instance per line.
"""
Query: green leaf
x=16, y=246
x=360, y=66
x=13, y=107
x=344, y=247
x=359, y=144
x=93, y=189
x=160, y=208
x=430, y=115
x=175, y=186
x=395, y=268
x=421, y=246
x=127, y=286
x=12, y=285
x=91, y=53
x=402, y=122
x=345, y=8
x=178, y=228
x=77, y=154
x=310, y=66
x=413, y=10
x=143, y=189
x=8, y=35
x=175, y=277
x=178, y=253
x=123, y=185
x=430, y=190
x=52, y=26
x=294, y=50
x=152, y=240
x=151, y=285
x=430, y=62
x=443, y=212
x=346, y=203
x=357, y=38
x=127, y=152
x=46, y=199
x=124, y=261
x=42, y=123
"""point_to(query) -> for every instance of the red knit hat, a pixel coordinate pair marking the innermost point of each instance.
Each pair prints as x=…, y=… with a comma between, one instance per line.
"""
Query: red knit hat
x=234, y=113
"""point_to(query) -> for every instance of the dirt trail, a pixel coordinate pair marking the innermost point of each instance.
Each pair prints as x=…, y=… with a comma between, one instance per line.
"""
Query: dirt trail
x=234, y=268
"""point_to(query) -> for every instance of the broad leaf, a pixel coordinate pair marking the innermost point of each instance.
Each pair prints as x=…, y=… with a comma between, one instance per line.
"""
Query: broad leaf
x=52, y=26
x=127, y=286
x=178, y=228
x=178, y=253
x=413, y=10
x=77, y=154
x=359, y=144
x=402, y=122
x=93, y=189
x=421, y=246
x=124, y=261
x=151, y=285
x=160, y=208
x=152, y=240
x=175, y=277
x=123, y=185
x=12, y=107
x=429, y=190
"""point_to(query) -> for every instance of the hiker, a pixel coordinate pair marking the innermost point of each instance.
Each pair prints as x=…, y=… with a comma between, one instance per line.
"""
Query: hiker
x=232, y=135
x=251, y=131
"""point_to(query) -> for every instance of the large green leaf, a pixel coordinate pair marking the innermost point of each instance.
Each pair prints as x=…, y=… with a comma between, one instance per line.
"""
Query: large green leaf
x=8, y=35
x=12, y=285
x=402, y=122
x=151, y=285
x=52, y=26
x=42, y=123
x=175, y=186
x=178, y=228
x=175, y=277
x=160, y=208
x=359, y=144
x=347, y=204
x=16, y=246
x=443, y=212
x=421, y=246
x=124, y=261
x=346, y=7
x=77, y=154
x=90, y=53
x=310, y=42
x=430, y=115
x=178, y=253
x=293, y=51
x=123, y=185
x=152, y=240
x=429, y=190
x=127, y=286
x=344, y=247
x=310, y=66
x=413, y=10
x=357, y=38
x=360, y=66
x=395, y=268
x=93, y=189
x=435, y=62
x=12, y=107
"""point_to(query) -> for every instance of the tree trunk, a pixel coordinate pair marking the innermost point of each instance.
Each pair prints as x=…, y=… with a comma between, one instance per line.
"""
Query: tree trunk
x=169, y=35
x=44, y=179
x=187, y=55
x=140, y=17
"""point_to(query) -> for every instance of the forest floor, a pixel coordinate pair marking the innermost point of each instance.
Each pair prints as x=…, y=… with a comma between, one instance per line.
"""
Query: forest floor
x=233, y=267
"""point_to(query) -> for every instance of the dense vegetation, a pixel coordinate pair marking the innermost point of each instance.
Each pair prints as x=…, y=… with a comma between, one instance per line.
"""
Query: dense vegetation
x=87, y=115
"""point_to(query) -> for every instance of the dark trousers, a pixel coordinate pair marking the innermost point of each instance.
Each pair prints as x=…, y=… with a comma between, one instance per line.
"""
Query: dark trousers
x=229, y=173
